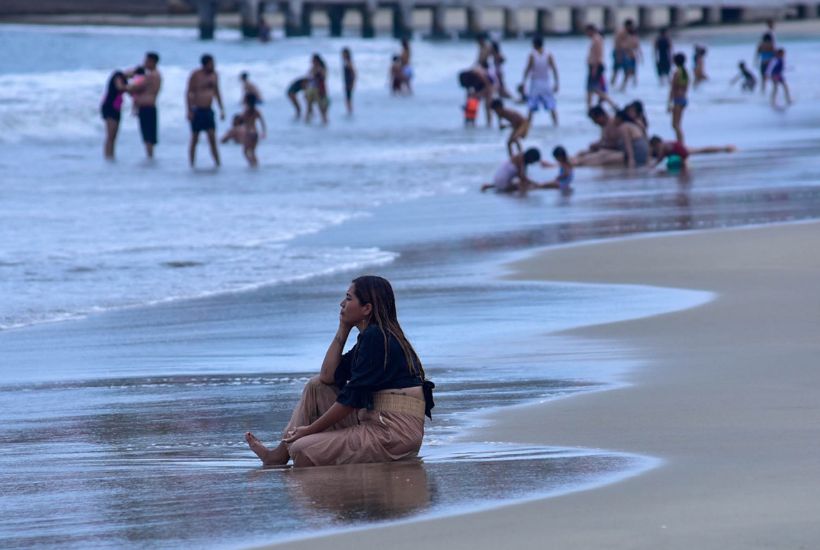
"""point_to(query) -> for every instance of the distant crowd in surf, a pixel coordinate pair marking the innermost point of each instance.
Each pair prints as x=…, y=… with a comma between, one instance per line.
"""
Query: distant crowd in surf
x=624, y=139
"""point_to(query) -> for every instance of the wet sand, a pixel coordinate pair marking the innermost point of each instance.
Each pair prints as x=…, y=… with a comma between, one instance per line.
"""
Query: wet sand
x=729, y=399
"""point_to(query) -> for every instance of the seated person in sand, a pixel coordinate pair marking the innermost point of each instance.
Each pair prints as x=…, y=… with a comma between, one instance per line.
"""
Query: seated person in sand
x=366, y=405
x=631, y=148
x=563, y=181
x=675, y=153
x=607, y=146
x=512, y=174
x=518, y=122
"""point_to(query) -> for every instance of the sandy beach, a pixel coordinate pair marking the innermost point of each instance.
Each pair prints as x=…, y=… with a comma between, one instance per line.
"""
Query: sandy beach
x=728, y=399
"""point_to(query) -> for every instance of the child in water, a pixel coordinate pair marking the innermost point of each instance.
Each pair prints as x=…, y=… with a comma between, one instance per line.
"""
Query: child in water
x=237, y=131
x=775, y=73
x=745, y=75
x=511, y=176
x=699, y=65
x=563, y=180
x=675, y=153
x=519, y=124
x=677, y=94
x=471, y=107
x=250, y=117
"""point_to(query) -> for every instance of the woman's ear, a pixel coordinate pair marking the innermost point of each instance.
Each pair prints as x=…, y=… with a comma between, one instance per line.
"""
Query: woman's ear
x=367, y=309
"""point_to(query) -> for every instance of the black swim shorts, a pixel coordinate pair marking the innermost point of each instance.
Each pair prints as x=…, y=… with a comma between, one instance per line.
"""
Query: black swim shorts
x=148, y=124
x=203, y=120
x=108, y=111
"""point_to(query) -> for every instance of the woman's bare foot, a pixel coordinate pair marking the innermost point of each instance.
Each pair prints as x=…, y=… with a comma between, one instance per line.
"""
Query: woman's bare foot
x=269, y=457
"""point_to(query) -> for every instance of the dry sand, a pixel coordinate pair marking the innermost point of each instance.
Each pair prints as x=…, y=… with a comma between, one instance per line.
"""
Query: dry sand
x=729, y=399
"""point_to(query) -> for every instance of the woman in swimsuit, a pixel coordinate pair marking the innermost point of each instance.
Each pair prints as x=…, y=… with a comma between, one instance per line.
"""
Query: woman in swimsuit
x=367, y=405
x=250, y=135
x=317, y=92
x=111, y=110
x=677, y=94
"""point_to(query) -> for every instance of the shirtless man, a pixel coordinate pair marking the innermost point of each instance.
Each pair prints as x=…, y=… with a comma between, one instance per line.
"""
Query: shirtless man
x=144, y=94
x=626, y=53
x=607, y=150
x=519, y=124
x=203, y=87
x=596, y=83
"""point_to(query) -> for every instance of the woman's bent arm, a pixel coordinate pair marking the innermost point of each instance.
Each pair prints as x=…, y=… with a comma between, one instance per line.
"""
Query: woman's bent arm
x=334, y=354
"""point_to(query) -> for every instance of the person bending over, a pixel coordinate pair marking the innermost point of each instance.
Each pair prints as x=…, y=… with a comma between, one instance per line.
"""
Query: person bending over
x=519, y=124
x=511, y=176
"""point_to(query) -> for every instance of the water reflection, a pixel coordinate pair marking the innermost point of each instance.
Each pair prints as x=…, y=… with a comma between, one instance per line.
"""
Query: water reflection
x=362, y=492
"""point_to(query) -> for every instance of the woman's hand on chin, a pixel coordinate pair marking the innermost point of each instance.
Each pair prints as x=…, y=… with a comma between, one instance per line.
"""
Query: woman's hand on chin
x=297, y=433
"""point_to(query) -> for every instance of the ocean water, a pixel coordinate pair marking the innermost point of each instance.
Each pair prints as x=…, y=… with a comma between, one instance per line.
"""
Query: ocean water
x=151, y=314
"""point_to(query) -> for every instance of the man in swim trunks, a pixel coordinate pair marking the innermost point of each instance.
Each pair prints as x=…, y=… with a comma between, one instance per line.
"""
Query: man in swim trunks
x=596, y=83
x=632, y=54
x=542, y=90
x=144, y=95
x=203, y=88
x=520, y=125
x=663, y=55
x=607, y=149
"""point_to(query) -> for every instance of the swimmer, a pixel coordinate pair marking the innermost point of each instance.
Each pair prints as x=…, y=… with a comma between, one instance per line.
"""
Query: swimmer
x=563, y=180
x=520, y=125
x=746, y=76
x=298, y=85
x=677, y=94
x=396, y=76
x=511, y=176
x=476, y=79
x=676, y=152
x=542, y=90
x=111, y=109
x=775, y=73
x=406, y=67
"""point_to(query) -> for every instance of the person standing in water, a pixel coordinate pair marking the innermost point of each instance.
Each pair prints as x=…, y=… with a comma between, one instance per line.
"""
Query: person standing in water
x=251, y=135
x=632, y=54
x=316, y=93
x=677, y=95
x=111, y=110
x=249, y=88
x=349, y=78
x=663, y=55
x=764, y=54
x=542, y=90
x=367, y=405
x=144, y=94
x=203, y=88
x=775, y=74
x=596, y=83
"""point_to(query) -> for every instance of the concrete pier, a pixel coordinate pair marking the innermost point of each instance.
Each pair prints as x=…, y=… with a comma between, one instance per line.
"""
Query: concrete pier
x=517, y=17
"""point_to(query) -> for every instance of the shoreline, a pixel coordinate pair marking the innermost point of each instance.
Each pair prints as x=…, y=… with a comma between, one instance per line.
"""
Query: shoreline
x=703, y=413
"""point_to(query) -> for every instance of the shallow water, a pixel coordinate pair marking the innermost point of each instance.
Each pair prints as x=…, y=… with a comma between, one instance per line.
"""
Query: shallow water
x=201, y=301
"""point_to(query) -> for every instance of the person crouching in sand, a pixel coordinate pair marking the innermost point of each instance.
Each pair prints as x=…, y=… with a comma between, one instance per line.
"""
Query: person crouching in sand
x=518, y=122
x=511, y=176
x=366, y=405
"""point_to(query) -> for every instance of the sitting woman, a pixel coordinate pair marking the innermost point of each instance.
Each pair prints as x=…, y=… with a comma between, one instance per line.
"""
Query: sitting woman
x=367, y=405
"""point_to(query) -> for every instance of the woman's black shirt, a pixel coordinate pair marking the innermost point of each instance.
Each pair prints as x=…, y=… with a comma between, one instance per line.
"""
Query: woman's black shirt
x=363, y=371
